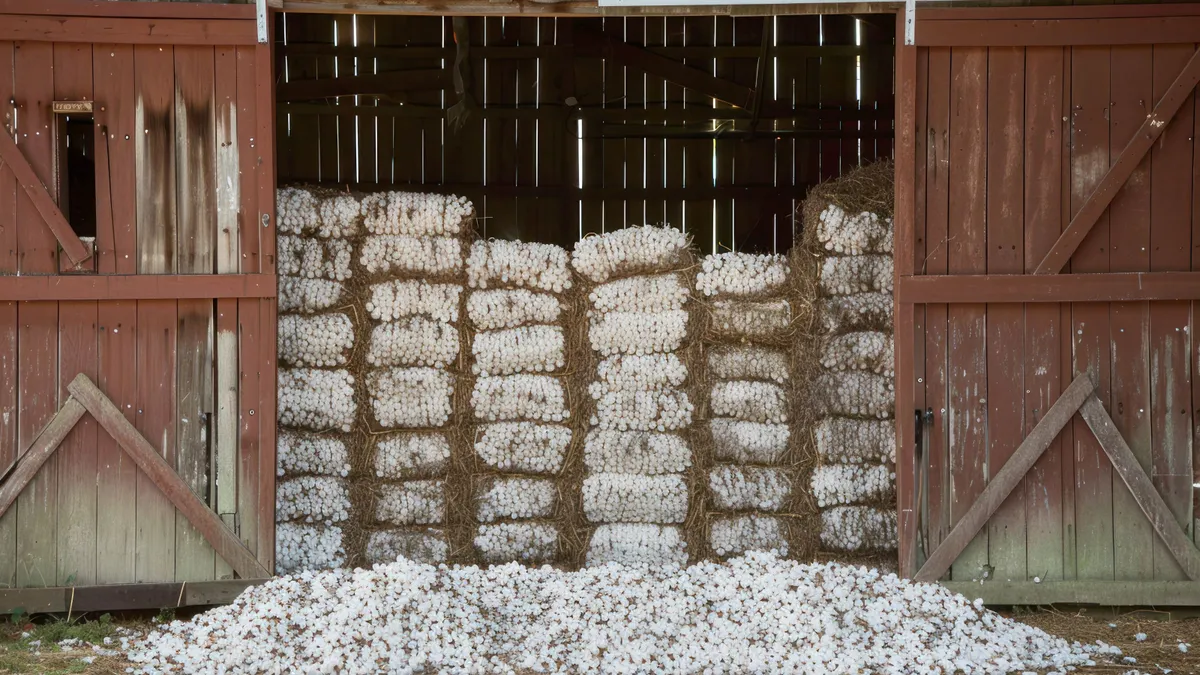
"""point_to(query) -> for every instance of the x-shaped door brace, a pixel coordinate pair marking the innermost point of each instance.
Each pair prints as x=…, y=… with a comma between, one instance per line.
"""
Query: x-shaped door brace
x=87, y=398
x=1079, y=397
x=11, y=155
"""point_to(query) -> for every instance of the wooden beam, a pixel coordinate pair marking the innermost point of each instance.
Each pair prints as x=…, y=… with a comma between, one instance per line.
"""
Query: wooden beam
x=1057, y=32
x=1104, y=287
x=558, y=50
x=1091, y=592
x=1002, y=484
x=1139, y=484
x=802, y=115
x=123, y=597
x=219, y=536
x=1097, y=203
x=381, y=83
x=930, y=14
x=137, y=287
x=11, y=155
x=26, y=466
x=126, y=31
x=138, y=10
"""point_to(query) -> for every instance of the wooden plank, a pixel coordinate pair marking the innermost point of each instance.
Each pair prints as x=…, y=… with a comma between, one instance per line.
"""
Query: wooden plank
x=1087, y=593
x=164, y=477
x=655, y=98
x=1058, y=32
x=698, y=154
x=117, y=479
x=500, y=136
x=1170, y=323
x=463, y=160
x=157, y=324
x=8, y=182
x=9, y=389
x=723, y=235
x=1070, y=548
x=1096, y=287
x=838, y=92
x=553, y=136
x=1007, y=478
x=195, y=160
x=303, y=139
x=195, y=406
x=364, y=85
x=227, y=182
x=1128, y=240
x=126, y=31
x=1195, y=211
x=33, y=91
x=365, y=137
x=154, y=131
x=1043, y=328
x=37, y=367
x=634, y=97
x=105, y=8
x=1096, y=11
x=967, y=410
x=265, y=509
x=906, y=220
x=674, y=149
x=250, y=385
x=134, y=287
x=1005, y=323
x=1131, y=156
x=123, y=597
x=1127, y=467
x=113, y=81
x=249, y=158
x=612, y=149
x=937, y=222
x=224, y=472
x=18, y=475
x=77, y=458
x=918, y=483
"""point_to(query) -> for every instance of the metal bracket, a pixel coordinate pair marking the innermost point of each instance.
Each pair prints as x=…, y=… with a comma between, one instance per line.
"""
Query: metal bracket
x=260, y=15
x=910, y=22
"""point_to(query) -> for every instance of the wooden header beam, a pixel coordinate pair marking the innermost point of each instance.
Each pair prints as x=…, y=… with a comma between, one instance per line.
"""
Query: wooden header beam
x=134, y=10
x=976, y=32
x=1106, y=287
x=105, y=29
x=137, y=287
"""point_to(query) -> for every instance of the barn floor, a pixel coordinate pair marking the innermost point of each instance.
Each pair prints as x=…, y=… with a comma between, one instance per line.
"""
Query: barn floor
x=28, y=648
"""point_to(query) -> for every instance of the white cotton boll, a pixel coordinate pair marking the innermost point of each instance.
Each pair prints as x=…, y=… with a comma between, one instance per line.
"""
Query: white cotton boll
x=393, y=300
x=633, y=498
x=738, y=488
x=637, y=333
x=863, y=350
x=416, y=341
x=409, y=455
x=298, y=452
x=522, y=542
x=420, y=545
x=856, y=274
x=648, y=294
x=753, y=320
x=300, y=547
x=494, y=310
x=647, y=372
x=519, y=397
x=741, y=274
x=599, y=257
x=749, y=442
x=402, y=253
x=843, y=440
x=313, y=499
x=322, y=341
x=416, y=213
x=295, y=211
x=317, y=400
x=298, y=294
x=848, y=234
x=515, y=263
x=857, y=394
x=736, y=535
x=415, y=502
x=313, y=258
x=524, y=447
x=638, y=452
x=411, y=397
x=858, y=528
x=515, y=498
x=748, y=363
x=339, y=215
x=665, y=410
x=528, y=349
x=636, y=544
x=845, y=313
x=750, y=400
x=834, y=484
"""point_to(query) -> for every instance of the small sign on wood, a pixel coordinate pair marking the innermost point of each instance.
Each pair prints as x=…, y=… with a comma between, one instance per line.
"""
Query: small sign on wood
x=67, y=107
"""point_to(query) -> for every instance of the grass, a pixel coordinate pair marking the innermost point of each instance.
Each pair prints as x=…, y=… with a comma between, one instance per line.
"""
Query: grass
x=33, y=646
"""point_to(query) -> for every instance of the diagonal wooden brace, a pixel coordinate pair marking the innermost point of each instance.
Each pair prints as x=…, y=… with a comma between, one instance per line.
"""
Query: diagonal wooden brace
x=26, y=466
x=11, y=155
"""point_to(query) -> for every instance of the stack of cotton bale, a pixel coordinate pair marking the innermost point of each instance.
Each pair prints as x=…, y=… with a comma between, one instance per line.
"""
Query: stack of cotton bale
x=637, y=452
x=749, y=406
x=412, y=257
x=520, y=423
x=849, y=236
x=317, y=408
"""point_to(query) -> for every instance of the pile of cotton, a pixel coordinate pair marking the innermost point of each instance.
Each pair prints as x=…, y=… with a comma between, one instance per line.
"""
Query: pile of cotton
x=519, y=399
x=296, y=211
x=317, y=400
x=411, y=398
x=749, y=400
x=424, y=545
x=408, y=254
x=757, y=613
x=417, y=214
x=323, y=341
x=312, y=499
x=411, y=454
x=395, y=300
x=854, y=391
x=414, y=502
x=313, y=258
x=637, y=453
x=415, y=341
x=306, y=453
x=307, y=296
x=299, y=546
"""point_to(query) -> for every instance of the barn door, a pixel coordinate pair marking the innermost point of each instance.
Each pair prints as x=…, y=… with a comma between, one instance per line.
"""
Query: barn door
x=1047, y=232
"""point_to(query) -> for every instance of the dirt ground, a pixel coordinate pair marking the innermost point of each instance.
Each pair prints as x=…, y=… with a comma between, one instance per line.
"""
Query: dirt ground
x=34, y=647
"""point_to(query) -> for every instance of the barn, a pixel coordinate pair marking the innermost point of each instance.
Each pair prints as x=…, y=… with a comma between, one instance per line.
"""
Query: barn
x=1045, y=269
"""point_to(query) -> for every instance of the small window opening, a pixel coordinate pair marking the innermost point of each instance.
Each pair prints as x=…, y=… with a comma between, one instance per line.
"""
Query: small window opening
x=77, y=173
